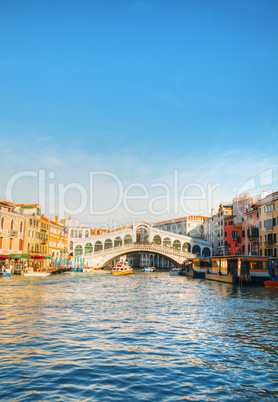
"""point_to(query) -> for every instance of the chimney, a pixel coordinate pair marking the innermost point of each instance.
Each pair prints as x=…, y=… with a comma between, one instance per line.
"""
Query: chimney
x=56, y=218
x=212, y=211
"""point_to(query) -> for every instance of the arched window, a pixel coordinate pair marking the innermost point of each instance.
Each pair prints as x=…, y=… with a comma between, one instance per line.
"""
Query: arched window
x=98, y=246
x=2, y=223
x=157, y=240
x=78, y=250
x=127, y=239
x=166, y=242
x=196, y=250
x=71, y=245
x=88, y=248
x=118, y=242
x=71, y=233
x=206, y=252
x=20, y=244
x=21, y=227
x=12, y=224
x=108, y=243
x=177, y=245
x=87, y=233
x=80, y=233
x=76, y=233
x=186, y=247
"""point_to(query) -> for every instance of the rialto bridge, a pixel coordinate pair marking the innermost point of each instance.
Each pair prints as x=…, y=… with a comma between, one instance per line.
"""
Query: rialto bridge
x=99, y=251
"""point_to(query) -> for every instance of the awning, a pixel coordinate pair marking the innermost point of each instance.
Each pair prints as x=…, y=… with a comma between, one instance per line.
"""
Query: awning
x=46, y=257
x=15, y=256
x=39, y=257
x=4, y=256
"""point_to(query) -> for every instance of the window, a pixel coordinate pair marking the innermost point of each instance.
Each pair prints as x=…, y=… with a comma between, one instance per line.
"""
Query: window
x=12, y=224
x=21, y=227
x=260, y=224
x=30, y=222
x=260, y=211
x=2, y=223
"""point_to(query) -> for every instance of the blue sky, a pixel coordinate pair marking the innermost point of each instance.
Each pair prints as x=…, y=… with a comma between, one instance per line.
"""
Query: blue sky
x=139, y=89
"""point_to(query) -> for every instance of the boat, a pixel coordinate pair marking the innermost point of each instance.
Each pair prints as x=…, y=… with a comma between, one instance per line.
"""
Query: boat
x=149, y=269
x=271, y=284
x=121, y=268
x=175, y=271
x=31, y=273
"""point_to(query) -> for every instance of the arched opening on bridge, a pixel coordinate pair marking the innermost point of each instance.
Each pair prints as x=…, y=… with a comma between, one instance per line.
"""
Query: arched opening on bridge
x=78, y=250
x=157, y=240
x=142, y=235
x=177, y=245
x=118, y=242
x=108, y=244
x=206, y=252
x=98, y=245
x=196, y=250
x=166, y=242
x=127, y=239
x=88, y=248
x=186, y=247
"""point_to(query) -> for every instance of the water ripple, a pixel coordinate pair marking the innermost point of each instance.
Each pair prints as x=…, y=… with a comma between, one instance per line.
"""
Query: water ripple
x=92, y=337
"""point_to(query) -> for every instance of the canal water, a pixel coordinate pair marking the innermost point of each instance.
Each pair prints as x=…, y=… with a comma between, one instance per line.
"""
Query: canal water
x=144, y=337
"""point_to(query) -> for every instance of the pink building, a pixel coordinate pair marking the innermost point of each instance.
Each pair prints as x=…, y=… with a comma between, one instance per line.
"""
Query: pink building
x=250, y=231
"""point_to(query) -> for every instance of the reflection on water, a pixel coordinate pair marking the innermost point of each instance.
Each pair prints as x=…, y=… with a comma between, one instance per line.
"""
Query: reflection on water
x=144, y=337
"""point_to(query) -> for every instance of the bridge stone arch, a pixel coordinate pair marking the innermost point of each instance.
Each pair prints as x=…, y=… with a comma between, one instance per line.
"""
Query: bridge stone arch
x=118, y=241
x=98, y=245
x=177, y=244
x=196, y=249
x=108, y=243
x=78, y=250
x=167, y=242
x=157, y=239
x=186, y=247
x=127, y=239
x=88, y=248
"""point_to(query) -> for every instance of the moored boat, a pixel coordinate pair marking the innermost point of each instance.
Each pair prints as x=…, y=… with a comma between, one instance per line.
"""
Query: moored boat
x=175, y=271
x=271, y=284
x=32, y=273
x=121, y=268
x=149, y=269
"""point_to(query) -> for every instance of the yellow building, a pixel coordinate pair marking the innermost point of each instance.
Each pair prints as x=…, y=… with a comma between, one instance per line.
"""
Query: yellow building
x=11, y=234
x=58, y=242
x=268, y=225
x=36, y=234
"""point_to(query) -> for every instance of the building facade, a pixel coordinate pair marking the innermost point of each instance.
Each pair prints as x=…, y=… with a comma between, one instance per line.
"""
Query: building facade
x=268, y=225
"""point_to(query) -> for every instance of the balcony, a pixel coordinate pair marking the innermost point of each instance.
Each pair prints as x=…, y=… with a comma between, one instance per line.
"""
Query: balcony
x=269, y=243
x=13, y=233
x=253, y=235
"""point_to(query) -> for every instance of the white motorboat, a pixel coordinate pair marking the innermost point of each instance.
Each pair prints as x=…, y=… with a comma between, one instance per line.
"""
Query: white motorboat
x=37, y=274
x=175, y=271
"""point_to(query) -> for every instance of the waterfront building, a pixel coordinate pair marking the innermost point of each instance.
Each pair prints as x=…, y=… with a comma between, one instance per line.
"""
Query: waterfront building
x=250, y=231
x=57, y=241
x=232, y=236
x=35, y=238
x=211, y=231
x=11, y=232
x=268, y=225
x=214, y=229
x=186, y=226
